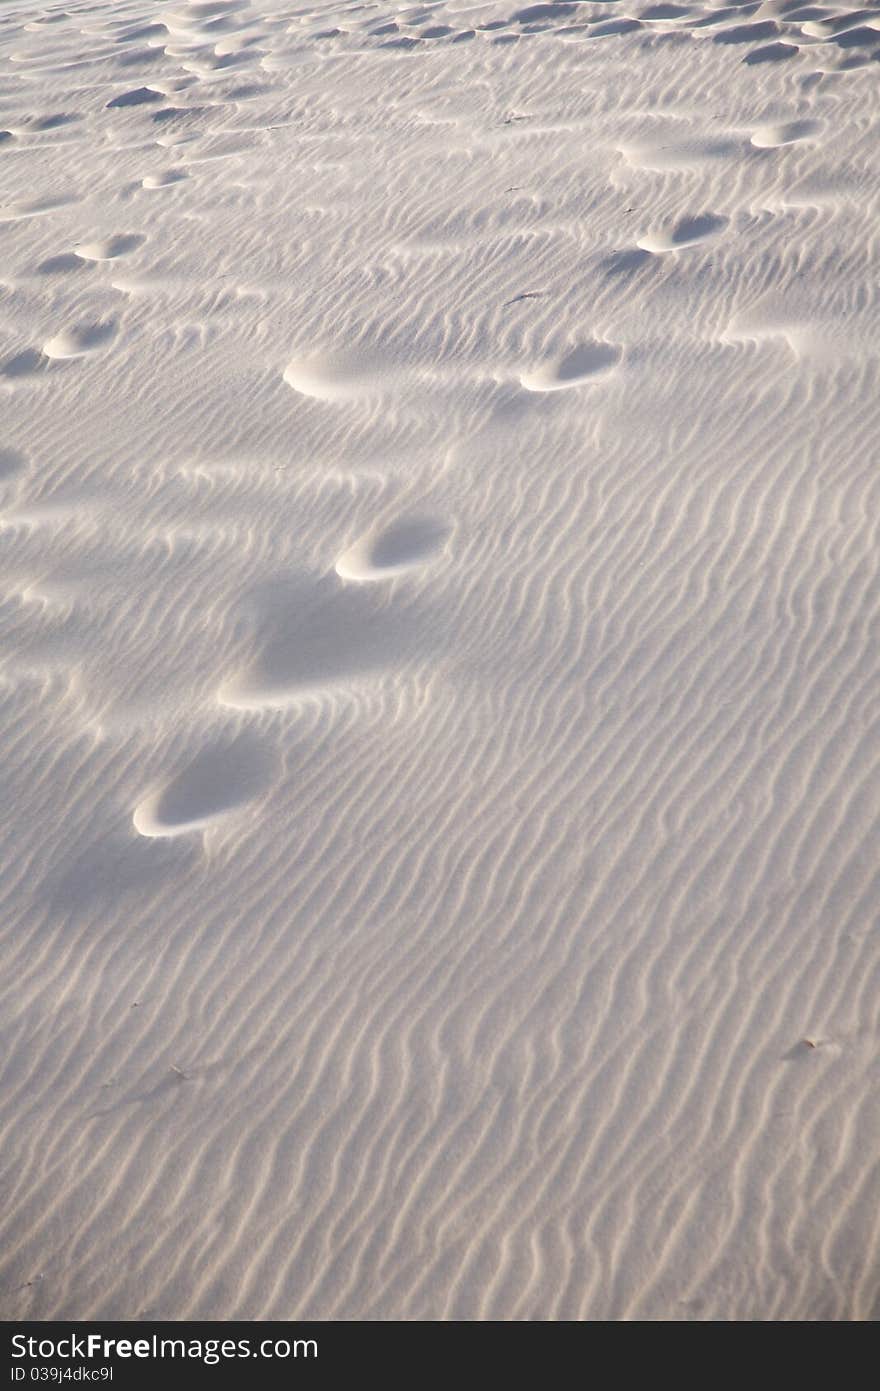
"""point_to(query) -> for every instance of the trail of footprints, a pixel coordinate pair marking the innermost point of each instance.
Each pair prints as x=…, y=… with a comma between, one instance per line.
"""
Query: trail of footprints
x=780, y=29
x=311, y=636
x=202, y=38
x=312, y=641
x=82, y=337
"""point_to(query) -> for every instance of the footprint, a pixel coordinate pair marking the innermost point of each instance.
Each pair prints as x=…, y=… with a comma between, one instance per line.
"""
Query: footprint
x=339, y=376
x=865, y=36
x=777, y=319
x=772, y=53
x=56, y=265
x=35, y=207
x=80, y=339
x=219, y=781
x=23, y=364
x=405, y=545
x=674, y=151
x=168, y=142
x=560, y=9
x=315, y=638
x=586, y=363
x=164, y=180
x=609, y=28
x=748, y=33
x=771, y=137
x=144, y=31
x=626, y=262
x=666, y=12
x=828, y=28
x=141, y=96
x=111, y=247
x=52, y=122
x=686, y=232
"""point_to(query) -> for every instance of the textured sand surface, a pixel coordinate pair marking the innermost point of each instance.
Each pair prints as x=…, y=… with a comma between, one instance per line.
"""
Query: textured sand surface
x=439, y=509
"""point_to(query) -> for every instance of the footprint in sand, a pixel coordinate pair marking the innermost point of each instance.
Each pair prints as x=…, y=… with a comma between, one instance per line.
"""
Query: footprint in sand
x=220, y=780
x=771, y=53
x=62, y=265
x=318, y=638
x=110, y=248
x=80, y=339
x=141, y=96
x=166, y=179
x=36, y=207
x=688, y=231
x=24, y=364
x=345, y=375
x=626, y=262
x=586, y=363
x=55, y=121
x=611, y=28
x=405, y=545
x=788, y=133
x=748, y=33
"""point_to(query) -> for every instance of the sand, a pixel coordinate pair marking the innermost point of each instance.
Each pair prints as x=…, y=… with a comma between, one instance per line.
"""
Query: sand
x=439, y=508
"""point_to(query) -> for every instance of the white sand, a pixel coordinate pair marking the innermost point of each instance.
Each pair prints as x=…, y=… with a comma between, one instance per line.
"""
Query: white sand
x=439, y=519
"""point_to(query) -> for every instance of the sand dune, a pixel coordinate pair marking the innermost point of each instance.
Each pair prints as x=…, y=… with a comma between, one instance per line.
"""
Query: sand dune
x=439, y=511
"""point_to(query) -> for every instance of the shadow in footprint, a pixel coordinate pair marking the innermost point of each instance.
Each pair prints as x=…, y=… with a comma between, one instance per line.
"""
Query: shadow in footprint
x=609, y=28
x=626, y=262
x=53, y=122
x=56, y=265
x=314, y=636
x=405, y=545
x=80, y=339
x=691, y=229
x=771, y=53
x=688, y=231
x=219, y=780
x=24, y=364
x=142, y=96
x=535, y=12
x=177, y=113
x=748, y=33
x=862, y=37
x=801, y=1052
x=586, y=363
x=408, y=542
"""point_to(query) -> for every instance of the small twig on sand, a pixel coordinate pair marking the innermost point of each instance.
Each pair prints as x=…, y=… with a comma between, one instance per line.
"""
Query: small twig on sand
x=529, y=294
